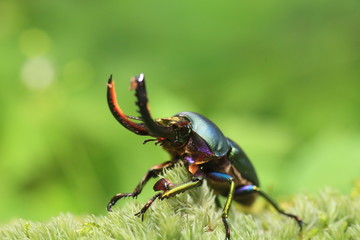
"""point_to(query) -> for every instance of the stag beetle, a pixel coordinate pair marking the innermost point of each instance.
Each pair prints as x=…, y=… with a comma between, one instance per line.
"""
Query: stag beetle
x=201, y=146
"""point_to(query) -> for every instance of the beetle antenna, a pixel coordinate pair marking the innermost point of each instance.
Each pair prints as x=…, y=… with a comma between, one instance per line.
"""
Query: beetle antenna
x=149, y=140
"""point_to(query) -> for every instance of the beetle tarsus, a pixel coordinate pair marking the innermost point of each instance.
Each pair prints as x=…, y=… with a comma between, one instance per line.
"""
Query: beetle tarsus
x=227, y=229
x=296, y=218
x=146, y=207
x=151, y=173
x=140, y=214
x=279, y=210
x=117, y=197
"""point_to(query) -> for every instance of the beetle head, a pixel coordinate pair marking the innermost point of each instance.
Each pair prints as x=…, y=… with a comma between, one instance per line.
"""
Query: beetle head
x=174, y=129
x=180, y=127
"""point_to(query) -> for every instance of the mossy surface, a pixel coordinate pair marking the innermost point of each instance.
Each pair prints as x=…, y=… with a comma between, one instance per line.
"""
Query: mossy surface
x=193, y=215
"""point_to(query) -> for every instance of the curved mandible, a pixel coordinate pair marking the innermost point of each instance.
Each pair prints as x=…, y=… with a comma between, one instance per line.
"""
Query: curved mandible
x=154, y=129
x=137, y=128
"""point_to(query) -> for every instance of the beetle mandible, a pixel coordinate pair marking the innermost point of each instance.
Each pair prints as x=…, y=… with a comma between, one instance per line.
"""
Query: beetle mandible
x=202, y=147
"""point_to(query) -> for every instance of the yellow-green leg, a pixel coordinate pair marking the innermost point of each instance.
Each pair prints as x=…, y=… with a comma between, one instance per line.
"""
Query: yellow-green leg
x=169, y=190
x=222, y=177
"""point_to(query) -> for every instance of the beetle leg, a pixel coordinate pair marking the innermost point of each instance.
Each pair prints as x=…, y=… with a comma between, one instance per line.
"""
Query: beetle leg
x=222, y=177
x=279, y=210
x=119, y=115
x=217, y=201
x=252, y=188
x=172, y=190
x=147, y=205
x=169, y=190
x=153, y=172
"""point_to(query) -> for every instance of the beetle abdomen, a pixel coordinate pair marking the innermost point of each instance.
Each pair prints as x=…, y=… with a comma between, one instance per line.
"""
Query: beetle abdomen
x=238, y=158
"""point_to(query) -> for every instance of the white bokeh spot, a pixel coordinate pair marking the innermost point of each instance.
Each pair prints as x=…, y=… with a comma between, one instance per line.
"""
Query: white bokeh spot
x=38, y=73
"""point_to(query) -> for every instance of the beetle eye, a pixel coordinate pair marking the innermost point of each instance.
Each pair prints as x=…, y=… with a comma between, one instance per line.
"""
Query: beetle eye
x=184, y=131
x=181, y=133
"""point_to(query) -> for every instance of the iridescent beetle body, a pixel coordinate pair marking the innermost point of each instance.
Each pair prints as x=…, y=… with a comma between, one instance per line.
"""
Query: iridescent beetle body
x=202, y=147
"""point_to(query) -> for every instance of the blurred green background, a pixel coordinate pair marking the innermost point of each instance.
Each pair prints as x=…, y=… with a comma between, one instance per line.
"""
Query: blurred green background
x=281, y=78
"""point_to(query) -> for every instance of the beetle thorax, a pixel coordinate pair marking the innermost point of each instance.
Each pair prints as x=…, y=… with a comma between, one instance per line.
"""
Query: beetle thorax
x=194, y=150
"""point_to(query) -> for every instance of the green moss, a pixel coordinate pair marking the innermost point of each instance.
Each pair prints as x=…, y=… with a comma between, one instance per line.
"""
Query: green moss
x=193, y=215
